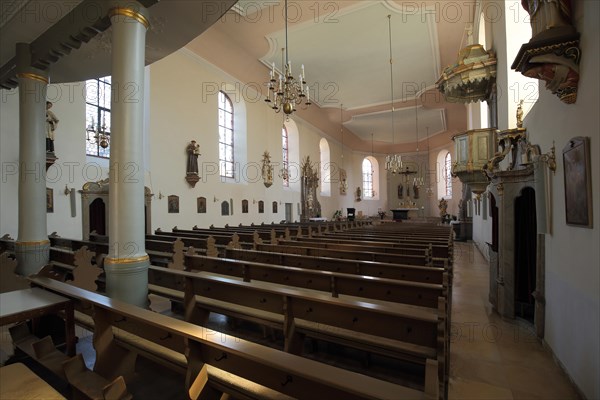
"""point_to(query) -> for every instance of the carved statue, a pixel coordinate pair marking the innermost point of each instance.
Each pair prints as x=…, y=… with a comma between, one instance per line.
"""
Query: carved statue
x=561, y=74
x=549, y=18
x=51, y=124
x=400, y=191
x=193, y=151
x=553, y=53
x=443, y=207
x=358, y=193
x=520, y=114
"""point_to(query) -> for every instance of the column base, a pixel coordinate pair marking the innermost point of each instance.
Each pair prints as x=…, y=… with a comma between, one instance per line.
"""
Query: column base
x=127, y=280
x=31, y=256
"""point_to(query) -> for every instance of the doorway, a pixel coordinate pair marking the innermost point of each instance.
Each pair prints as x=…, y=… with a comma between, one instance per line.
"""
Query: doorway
x=525, y=254
x=98, y=217
x=288, y=212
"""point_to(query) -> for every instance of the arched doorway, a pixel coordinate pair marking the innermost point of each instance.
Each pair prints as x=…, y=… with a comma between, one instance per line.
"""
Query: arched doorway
x=525, y=254
x=98, y=216
x=95, y=205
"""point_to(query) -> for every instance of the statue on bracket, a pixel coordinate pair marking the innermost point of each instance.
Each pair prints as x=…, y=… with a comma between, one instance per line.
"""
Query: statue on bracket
x=553, y=53
x=193, y=151
x=51, y=124
x=267, y=169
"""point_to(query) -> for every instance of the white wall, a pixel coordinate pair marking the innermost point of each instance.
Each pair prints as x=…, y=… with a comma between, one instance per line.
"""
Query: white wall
x=183, y=107
x=71, y=170
x=572, y=254
x=180, y=106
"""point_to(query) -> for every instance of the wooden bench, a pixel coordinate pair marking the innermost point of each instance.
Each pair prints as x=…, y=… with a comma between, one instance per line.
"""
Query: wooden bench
x=438, y=250
x=423, y=260
x=359, y=267
x=400, y=331
x=421, y=294
x=281, y=372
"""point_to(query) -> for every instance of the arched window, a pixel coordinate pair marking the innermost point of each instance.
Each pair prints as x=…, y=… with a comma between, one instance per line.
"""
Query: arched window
x=97, y=115
x=286, y=157
x=367, y=178
x=226, y=148
x=448, y=175
x=325, y=167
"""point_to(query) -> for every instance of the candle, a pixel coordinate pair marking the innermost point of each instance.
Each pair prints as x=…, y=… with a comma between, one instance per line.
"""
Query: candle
x=303, y=74
x=273, y=70
x=307, y=94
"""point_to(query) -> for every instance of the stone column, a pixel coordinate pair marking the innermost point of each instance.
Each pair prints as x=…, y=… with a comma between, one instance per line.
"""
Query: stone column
x=32, y=246
x=127, y=263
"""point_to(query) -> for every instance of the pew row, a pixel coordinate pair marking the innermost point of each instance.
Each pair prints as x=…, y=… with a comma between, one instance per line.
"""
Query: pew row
x=400, y=331
x=281, y=372
x=415, y=293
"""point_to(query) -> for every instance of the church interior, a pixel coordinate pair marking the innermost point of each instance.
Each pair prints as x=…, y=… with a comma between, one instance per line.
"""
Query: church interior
x=221, y=199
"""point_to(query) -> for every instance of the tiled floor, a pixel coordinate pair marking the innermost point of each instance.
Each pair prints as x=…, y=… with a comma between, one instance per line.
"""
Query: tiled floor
x=491, y=358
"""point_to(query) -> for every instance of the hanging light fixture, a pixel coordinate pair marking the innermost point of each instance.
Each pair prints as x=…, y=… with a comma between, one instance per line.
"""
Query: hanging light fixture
x=429, y=190
x=96, y=134
x=393, y=162
x=286, y=93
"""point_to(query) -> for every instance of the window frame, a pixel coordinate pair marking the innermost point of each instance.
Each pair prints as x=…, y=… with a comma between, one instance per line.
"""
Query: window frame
x=100, y=115
x=224, y=144
x=448, y=177
x=367, y=179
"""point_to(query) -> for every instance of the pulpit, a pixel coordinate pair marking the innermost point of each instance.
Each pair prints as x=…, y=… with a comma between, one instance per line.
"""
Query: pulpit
x=351, y=213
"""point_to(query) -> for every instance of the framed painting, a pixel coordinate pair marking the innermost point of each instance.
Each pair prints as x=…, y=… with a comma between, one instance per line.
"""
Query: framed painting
x=49, y=200
x=201, y=205
x=173, y=204
x=578, y=182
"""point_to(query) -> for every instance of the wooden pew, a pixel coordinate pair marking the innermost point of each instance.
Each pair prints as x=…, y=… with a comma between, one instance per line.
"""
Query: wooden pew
x=160, y=252
x=420, y=294
x=359, y=267
x=284, y=373
x=400, y=331
x=354, y=255
x=438, y=250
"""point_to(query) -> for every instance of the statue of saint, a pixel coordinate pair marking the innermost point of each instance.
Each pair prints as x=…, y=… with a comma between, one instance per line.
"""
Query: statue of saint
x=193, y=150
x=51, y=124
x=549, y=18
x=443, y=207
x=520, y=114
x=400, y=191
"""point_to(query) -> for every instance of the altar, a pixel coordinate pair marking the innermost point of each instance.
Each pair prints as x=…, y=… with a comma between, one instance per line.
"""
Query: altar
x=401, y=213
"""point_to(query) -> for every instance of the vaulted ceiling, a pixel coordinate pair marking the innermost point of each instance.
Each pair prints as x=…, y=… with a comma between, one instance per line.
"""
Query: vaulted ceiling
x=344, y=46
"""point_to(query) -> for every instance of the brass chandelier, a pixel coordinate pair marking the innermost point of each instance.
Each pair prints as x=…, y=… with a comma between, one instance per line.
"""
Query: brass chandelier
x=285, y=93
x=97, y=134
x=393, y=162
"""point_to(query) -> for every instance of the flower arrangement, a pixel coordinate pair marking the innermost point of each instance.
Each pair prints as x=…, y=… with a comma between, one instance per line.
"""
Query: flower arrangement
x=337, y=215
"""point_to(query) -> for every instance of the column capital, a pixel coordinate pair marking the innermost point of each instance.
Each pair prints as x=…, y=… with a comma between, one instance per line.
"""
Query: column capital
x=130, y=12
